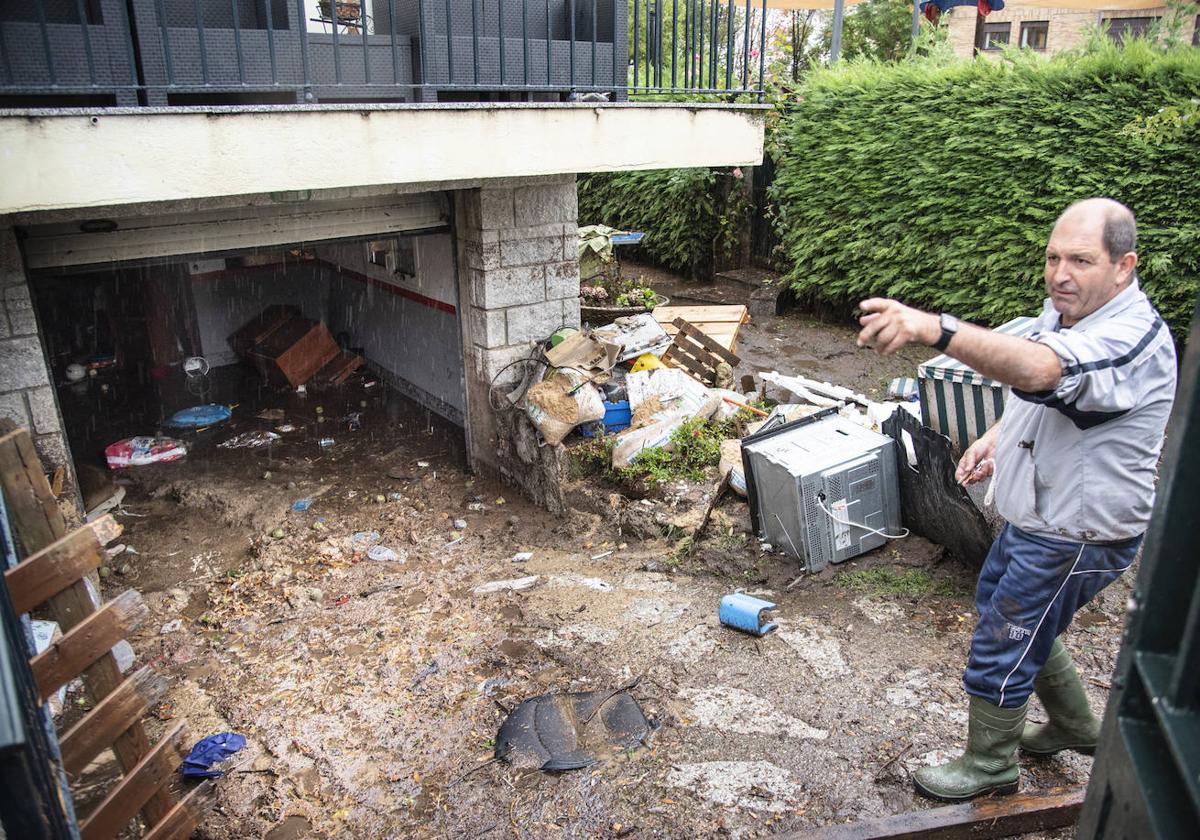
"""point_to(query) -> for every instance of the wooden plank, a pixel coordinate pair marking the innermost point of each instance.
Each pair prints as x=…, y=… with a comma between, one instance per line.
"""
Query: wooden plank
x=36, y=519
x=139, y=784
x=1001, y=816
x=111, y=716
x=38, y=522
x=54, y=568
x=713, y=314
x=186, y=816
x=707, y=343
x=92, y=638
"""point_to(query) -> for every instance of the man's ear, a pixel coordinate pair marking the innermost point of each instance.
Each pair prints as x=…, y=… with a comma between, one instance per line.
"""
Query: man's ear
x=1126, y=265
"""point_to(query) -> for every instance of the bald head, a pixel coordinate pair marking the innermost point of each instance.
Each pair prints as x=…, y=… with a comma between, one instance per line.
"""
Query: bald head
x=1118, y=227
x=1090, y=257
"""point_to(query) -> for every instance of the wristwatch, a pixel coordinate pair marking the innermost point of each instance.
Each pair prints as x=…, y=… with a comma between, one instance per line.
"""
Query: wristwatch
x=949, y=330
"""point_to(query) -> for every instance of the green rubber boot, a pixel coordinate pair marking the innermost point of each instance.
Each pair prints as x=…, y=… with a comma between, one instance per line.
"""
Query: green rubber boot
x=990, y=763
x=1072, y=726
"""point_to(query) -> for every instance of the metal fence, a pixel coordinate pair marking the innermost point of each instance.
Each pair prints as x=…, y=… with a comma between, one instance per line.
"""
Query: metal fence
x=159, y=52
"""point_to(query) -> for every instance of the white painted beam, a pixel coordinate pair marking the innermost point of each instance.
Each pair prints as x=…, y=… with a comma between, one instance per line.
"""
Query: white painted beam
x=164, y=235
x=99, y=158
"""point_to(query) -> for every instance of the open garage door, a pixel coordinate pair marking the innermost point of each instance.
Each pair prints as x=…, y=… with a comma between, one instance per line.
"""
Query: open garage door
x=105, y=241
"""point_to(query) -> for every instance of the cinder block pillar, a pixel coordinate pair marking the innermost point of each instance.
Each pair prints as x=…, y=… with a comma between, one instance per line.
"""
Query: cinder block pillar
x=27, y=394
x=518, y=282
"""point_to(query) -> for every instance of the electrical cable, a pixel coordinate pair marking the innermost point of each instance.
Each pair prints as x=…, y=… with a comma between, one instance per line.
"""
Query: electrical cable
x=885, y=535
x=492, y=385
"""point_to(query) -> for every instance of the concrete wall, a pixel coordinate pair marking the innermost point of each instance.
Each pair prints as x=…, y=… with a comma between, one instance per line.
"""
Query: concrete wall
x=518, y=282
x=187, y=155
x=26, y=385
x=407, y=327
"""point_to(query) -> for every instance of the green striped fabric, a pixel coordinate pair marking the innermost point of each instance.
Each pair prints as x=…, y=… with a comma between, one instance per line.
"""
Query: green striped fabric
x=957, y=401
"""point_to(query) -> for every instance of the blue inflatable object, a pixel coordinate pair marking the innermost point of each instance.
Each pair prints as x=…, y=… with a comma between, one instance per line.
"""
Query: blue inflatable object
x=200, y=415
x=745, y=612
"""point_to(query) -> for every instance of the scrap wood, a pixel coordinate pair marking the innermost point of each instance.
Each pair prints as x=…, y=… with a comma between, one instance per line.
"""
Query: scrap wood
x=696, y=353
x=746, y=406
x=722, y=486
x=1001, y=816
x=38, y=522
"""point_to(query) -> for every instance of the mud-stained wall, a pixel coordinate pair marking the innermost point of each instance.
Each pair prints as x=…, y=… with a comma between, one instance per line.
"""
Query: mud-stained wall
x=26, y=383
x=518, y=282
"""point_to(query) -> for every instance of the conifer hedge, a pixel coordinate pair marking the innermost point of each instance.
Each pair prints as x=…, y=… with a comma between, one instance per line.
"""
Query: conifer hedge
x=685, y=213
x=938, y=185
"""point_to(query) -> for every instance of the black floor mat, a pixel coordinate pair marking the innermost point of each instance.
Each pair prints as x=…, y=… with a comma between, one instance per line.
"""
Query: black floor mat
x=571, y=731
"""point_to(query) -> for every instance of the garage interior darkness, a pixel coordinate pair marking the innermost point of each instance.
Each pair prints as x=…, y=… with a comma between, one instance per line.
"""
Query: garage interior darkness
x=123, y=344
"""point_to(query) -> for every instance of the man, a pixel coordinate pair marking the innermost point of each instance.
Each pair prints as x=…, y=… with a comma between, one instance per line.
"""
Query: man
x=1074, y=468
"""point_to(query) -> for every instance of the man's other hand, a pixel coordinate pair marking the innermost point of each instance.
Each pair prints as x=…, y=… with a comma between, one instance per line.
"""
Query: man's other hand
x=978, y=462
x=888, y=325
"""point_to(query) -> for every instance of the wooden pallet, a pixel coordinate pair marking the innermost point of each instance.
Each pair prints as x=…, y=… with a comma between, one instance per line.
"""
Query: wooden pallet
x=52, y=576
x=720, y=323
x=698, y=354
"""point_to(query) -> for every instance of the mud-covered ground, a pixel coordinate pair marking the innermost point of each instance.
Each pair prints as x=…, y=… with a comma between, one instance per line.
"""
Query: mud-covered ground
x=371, y=691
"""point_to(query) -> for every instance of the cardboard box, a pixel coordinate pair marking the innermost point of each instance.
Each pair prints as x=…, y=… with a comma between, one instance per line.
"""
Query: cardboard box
x=959, y=402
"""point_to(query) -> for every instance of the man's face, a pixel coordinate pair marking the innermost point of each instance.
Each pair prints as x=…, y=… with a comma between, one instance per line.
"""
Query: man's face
x=1080, y=274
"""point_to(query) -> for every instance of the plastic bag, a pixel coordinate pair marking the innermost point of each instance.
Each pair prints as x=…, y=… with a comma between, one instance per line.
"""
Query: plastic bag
x=731, y=464
x=142, y=450
x=562, y=401
x=657, y=435
x=654, y=436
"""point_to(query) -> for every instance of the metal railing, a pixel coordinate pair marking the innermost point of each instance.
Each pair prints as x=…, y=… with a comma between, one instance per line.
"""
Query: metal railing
x=711, y=47
x=159, y=52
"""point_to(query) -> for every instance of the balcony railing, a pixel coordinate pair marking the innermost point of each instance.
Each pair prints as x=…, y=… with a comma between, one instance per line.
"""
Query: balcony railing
x=60, y=53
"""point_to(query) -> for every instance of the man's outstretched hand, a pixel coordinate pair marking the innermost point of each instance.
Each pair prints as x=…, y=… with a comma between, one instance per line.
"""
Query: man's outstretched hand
x=888, y=325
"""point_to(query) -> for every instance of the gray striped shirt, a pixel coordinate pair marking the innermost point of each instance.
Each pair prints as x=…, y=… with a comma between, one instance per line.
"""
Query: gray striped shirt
x=1078, y=462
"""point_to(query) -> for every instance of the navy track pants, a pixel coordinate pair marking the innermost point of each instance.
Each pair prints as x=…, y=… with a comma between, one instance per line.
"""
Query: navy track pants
x=1028, y=591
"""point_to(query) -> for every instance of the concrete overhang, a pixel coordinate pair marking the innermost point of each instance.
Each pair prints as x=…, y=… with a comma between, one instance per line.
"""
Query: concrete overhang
x=70, y=158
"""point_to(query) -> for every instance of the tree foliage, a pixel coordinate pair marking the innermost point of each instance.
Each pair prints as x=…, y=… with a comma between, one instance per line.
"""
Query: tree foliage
x=878, y=29
x=938, y=183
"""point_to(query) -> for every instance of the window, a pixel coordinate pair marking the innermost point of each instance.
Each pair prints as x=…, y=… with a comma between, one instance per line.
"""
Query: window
x=1033, y=34
x=1122, y=29
x=397, y=255
x=994, y=35
x=378, y=252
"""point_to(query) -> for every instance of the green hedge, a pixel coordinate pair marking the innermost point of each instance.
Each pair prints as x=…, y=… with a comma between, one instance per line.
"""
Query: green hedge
x=688, y=215
x=938, y=185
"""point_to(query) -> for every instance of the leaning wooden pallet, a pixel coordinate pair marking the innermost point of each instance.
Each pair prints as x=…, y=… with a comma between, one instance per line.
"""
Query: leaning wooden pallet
x=697, y=353
x=52, y=574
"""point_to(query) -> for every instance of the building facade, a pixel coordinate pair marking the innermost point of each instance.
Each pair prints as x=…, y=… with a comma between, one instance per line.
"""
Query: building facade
x=166, y=183
x=1046, y=30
